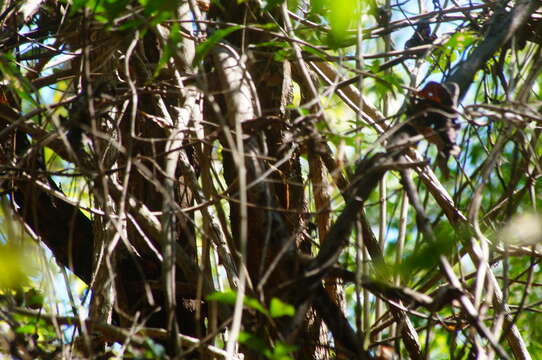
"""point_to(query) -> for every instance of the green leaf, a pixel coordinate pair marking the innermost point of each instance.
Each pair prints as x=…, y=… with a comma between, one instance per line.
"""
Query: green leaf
x=341, y=16
x=114, y=8
x=101, y=18
x=18, y=82
x=13, y=267
x=318, y=6
x=281, y=351
x=252, y=341
x=455, y=47
x=77, y=5
x=26, y=329
x=203, y=49
x=34, y=299
x=225, y=297
x=281, y=55
x=375, y=65
x=131, y=24
x=461, y=40
x=271, y=4
x=292, y=5
x=157, y=7
x=267, y=26
x=170, y=47
x=228, y=297
x=386, y=83
x=278, y=308
x=313, y=51
x=274, y=44
x=255, y=304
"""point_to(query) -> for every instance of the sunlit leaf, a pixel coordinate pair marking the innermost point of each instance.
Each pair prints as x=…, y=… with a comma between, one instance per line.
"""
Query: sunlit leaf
x=26, y=329
x=254, y=304
x=313, y=51
x=461, y=40
x=278, y=308
x=12, y=267
x=281, y=351
x=203, y=49
x=230, y=296
x=226, y=297
x=281, y=55
x=341, y=18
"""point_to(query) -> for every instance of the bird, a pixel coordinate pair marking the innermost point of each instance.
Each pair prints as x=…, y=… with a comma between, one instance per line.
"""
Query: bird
x=422, y=35
x=432, y=113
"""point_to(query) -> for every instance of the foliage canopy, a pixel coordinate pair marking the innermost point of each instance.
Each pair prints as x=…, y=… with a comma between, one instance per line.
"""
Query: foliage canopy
x=270, y=179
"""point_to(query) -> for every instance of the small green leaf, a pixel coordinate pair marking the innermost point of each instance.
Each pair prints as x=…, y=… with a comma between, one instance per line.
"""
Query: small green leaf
x=280, y=55
x=171, y=46
x=228, y=297
x=203, y=49
x=318, y=6
x=93, y=5
x=292, y=5
x=18, y=82
x=375, y=66
x=313, y=51
x=113, y=9
x=461, y=40
x=271, y=4
x=281, y=351
x=278, y=308
x=455, y=47
x=157, y=7
x=267, y=26
x=255, y=304
x=34, y=299
x=13, y=267
x=252, y=341
x=342, y=14
x=274, y=44
x=131, y=24
x=225, y=297
x=304, y=111
x=26, y=329
x=102, y=19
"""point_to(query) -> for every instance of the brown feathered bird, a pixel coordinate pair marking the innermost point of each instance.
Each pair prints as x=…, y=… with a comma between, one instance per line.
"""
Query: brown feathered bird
x=432, y=113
